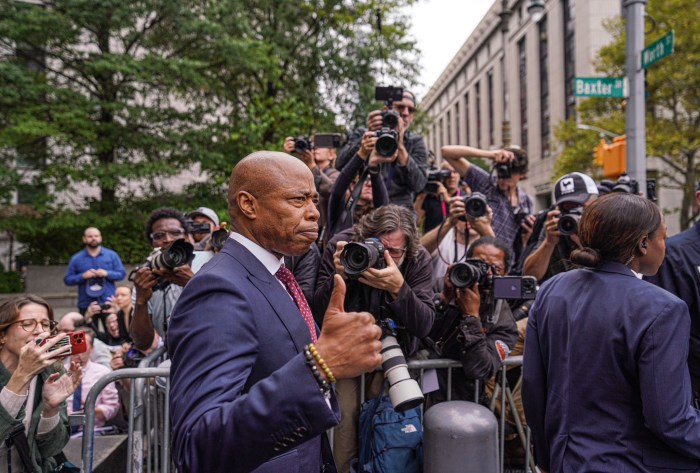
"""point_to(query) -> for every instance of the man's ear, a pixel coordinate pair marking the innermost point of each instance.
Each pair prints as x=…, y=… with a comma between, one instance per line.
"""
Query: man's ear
x=247, y=203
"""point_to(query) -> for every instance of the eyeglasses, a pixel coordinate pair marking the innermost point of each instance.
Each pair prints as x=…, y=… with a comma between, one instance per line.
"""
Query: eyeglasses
x=396, y=252
x=159, y=236
x=28, y=325
x=400, y=108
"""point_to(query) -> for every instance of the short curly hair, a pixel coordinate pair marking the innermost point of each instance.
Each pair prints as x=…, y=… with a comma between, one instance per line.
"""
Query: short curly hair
x=164, y=212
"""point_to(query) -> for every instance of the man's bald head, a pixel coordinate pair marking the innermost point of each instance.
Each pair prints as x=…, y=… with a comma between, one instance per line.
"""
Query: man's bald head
x=257, y=173
x=69, y=321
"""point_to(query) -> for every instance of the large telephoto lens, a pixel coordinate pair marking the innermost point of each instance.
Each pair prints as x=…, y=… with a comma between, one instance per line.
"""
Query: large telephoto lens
x=176, y=254
x=404, y=391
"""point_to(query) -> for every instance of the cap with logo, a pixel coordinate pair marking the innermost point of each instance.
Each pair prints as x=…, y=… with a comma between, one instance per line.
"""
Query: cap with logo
x=205, y=212
x=574, y=187
x=95, y=287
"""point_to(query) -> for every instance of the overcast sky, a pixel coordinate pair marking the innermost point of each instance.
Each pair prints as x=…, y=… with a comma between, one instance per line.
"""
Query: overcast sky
x=440, y=28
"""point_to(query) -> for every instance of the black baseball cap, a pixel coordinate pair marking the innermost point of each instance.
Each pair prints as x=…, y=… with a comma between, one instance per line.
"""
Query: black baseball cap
x=574, y=187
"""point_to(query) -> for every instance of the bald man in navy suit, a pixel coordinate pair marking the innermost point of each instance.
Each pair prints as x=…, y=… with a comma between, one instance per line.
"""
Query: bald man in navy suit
x=244, y=397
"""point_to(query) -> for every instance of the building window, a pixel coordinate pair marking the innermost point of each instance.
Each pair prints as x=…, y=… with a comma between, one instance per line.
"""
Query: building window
x=544, y=87
x=442, y=130
x=457, y=123
x=489, y=83
x=449, y=128
x=522, y=75
x=466, y=119
x=569, y=7
x=477, y=92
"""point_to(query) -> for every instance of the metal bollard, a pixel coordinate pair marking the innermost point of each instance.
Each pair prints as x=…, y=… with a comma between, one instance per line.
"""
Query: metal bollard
x=460, y=437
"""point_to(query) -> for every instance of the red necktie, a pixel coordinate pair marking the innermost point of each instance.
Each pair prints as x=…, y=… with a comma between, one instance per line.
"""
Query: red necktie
x=292, y=286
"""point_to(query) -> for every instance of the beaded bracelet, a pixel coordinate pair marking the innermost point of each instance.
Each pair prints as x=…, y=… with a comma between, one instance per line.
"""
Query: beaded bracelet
x=321, y=363
x=311, y=363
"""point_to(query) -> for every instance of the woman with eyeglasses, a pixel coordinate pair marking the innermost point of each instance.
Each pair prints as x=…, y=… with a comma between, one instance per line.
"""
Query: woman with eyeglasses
x=33, y=385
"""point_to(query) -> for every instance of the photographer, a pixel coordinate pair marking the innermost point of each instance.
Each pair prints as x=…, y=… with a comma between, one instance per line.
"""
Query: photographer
x=401, y=290
x=153, y=303
x=451, y=238
x=202, y=222
x=512, y=207
x=407, y=175
x=432, y=205
x=344, y=212
x=549, y=254
x=472, y=327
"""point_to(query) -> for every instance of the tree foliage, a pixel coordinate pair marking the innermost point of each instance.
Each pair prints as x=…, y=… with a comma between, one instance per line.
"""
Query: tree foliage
x=118, y=96
x=673, y=104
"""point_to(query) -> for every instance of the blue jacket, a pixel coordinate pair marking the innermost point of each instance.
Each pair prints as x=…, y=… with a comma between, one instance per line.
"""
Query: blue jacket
x=242, y=397
x=605, y=377
x=680, y=275
x=82, y=261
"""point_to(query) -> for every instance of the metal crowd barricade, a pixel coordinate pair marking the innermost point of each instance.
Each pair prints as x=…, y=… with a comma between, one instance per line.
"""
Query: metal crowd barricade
x=148, y=447
x=125, y=373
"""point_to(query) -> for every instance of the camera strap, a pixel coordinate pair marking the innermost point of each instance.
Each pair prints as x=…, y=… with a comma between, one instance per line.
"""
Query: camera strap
x=350, y=203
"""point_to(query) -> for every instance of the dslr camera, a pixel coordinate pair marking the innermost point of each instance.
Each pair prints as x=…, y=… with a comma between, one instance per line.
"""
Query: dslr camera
x=476, y=205
x=387, y=142
x=568, y=221
x=435, y=176
x=193, y=227
x=176, y=254
x=504, y=170
x=302, y=144
x=358, y=257
x=472, y=271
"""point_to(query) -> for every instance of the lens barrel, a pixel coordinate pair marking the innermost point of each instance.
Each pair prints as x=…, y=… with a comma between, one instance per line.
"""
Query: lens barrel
x=404, y=391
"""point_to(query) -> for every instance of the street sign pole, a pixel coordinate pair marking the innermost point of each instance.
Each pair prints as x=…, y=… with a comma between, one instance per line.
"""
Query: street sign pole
x=635, y=120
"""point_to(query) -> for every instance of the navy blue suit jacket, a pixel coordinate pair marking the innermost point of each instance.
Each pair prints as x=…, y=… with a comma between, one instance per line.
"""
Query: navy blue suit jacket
x=242, y=397
x=605, y=377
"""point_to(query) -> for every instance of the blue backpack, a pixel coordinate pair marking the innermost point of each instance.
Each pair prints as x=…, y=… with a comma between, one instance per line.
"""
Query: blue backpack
x=389, y=441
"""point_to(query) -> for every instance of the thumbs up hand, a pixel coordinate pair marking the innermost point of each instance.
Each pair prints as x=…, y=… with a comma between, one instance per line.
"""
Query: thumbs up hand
x=349, y=341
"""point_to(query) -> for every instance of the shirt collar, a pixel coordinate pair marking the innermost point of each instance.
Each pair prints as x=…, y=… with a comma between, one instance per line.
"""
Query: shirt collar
x=270, y=261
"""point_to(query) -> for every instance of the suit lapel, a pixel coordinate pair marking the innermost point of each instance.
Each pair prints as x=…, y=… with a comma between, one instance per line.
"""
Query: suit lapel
x=268, y=285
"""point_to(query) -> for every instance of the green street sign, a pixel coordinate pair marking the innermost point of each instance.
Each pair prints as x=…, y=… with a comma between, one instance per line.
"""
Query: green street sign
x=599, y=87
x=657, y=50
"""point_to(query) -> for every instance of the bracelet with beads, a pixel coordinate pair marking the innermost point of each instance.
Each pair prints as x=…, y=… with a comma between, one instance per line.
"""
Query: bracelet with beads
x=311, y=363
x=321, y=363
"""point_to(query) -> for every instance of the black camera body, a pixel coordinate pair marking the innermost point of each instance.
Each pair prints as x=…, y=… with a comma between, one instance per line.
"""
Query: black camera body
x=476, y=205
x=193, y=228
x=626, y=184
x=302, y=144
x=387, y=142
x=435, y=176
x=388, y=94
x=390, y=119
x=568, y=221
x=358, y=257
x=178, y=253
x=470, y=272
x=504, y=170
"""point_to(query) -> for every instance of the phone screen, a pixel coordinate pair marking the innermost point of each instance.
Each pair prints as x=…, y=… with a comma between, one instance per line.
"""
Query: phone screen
x=327, y=140
x=507, y=288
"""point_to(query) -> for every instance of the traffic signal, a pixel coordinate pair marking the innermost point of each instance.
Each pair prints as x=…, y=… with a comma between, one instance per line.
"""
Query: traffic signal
x=612, y=157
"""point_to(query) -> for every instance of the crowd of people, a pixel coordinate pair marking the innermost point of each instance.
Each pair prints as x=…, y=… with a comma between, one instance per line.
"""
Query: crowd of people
x=269, y=328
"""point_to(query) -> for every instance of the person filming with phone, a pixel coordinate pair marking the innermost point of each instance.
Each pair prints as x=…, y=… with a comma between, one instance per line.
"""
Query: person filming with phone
x=33, y=385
